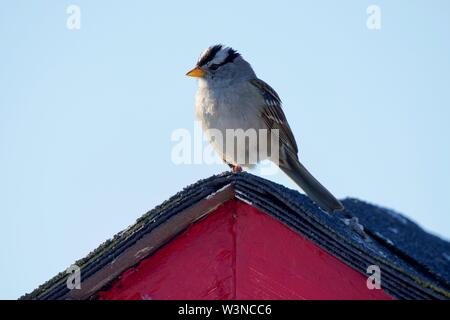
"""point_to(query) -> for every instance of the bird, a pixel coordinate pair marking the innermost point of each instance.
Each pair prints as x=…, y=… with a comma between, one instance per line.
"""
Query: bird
x=231, y=97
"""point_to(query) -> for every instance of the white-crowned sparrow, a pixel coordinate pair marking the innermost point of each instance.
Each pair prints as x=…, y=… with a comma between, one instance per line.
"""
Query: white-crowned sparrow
x=230, y=96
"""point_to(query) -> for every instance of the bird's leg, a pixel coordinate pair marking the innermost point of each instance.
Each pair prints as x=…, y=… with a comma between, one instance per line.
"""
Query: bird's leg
x=234, y=167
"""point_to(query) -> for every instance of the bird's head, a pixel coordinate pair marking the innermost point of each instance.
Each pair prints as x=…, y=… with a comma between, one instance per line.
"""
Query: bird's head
x=219, y=64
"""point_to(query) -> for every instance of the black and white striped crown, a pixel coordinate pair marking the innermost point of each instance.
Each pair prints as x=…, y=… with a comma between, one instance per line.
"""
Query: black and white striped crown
x=218, y=55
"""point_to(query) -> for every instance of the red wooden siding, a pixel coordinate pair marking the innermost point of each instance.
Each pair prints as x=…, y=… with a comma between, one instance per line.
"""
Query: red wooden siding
x=238, y=252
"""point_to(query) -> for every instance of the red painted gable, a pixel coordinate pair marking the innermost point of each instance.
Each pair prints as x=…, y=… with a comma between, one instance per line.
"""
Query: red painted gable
x=239, y=252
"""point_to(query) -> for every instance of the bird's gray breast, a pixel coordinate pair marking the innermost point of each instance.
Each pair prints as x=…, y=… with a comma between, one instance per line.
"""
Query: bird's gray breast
x=230, y=109
x=233, y=107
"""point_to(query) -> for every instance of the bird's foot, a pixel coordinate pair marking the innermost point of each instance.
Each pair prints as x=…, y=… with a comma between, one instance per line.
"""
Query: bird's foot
x=236, y=168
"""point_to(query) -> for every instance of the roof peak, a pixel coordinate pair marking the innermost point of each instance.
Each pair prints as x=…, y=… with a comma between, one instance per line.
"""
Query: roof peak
x=395, y=243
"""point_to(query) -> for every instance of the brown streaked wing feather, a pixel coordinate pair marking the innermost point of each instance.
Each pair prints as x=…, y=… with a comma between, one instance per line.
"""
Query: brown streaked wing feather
x=273, y=114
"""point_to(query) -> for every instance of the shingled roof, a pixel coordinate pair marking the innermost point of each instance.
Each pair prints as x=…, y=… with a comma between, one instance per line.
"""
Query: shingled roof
x=414, y=263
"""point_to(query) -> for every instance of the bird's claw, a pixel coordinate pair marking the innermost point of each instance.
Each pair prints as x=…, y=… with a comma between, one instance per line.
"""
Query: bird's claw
x=236, y=169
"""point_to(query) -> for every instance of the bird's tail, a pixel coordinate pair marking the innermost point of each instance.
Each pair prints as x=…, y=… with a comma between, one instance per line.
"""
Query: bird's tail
x=313, y=188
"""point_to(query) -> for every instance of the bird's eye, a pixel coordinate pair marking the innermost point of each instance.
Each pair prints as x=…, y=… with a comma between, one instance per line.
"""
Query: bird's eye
x=214, y=66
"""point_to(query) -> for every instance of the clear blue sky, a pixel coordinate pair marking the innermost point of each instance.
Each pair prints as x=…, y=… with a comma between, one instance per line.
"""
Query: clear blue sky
x=86, y=115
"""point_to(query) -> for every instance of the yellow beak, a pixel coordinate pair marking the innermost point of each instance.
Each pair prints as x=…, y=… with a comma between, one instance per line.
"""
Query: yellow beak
x=197, y=72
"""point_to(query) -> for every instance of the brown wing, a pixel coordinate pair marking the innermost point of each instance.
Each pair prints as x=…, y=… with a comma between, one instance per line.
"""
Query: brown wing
x=273, y=114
